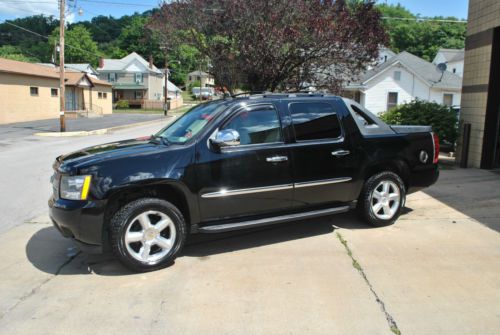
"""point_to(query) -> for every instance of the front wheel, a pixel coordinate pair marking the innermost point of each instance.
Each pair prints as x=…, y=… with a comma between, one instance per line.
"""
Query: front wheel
x=147, y=234
x=382, y=198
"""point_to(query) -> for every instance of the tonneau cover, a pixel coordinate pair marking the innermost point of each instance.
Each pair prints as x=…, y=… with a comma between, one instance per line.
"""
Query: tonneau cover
x=411, y=129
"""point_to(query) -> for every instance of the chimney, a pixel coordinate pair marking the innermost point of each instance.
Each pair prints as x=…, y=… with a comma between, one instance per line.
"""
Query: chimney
x=101, y=62
x=150, y=62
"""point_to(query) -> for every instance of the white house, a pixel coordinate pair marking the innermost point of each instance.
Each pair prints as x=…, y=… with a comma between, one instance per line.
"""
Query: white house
x=403, y=78
x=137, y=81
x=453, y=58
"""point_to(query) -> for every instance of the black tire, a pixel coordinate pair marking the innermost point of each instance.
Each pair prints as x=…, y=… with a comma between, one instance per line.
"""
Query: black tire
x=125, y=217
x=365, y=210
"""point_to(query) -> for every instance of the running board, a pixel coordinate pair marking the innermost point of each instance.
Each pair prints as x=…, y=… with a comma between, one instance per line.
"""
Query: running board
x=267, y=221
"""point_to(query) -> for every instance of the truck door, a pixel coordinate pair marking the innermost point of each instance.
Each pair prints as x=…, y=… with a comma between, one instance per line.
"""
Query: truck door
x=322, y=164
x=251, y=178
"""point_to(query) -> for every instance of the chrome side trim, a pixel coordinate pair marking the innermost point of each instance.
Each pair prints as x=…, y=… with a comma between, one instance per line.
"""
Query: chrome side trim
x=272, y=220
x=226, y=193
x=322, y=182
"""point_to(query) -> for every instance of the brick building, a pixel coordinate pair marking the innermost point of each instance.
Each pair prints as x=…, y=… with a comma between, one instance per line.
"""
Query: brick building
x=480, y=105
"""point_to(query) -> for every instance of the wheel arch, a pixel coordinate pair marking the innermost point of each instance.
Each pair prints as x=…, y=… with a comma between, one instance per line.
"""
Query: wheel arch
x=172, y=191
x=399, y=166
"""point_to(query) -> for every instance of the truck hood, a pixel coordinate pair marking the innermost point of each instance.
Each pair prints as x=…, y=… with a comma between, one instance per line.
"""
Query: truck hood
x=109, y=151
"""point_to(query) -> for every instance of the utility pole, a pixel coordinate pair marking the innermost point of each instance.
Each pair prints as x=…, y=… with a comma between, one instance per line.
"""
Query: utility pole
x=62, y=121
x=165, y=105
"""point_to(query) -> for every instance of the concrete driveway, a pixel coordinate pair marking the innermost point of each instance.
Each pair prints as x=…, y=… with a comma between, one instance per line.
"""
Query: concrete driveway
x=435, y=271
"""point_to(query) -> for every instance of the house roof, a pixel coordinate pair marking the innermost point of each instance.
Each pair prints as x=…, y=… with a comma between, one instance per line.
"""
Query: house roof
x=123, y=63
x=452, y=55
x=83, y=67
x=39, y=70
x=172, y=88
x=13, y=66
x=74, y=78
x=198, y=73
x=426, y=71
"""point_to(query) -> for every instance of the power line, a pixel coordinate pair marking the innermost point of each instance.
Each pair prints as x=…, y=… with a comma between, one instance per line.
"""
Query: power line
x=47, y=38
x=421, y=19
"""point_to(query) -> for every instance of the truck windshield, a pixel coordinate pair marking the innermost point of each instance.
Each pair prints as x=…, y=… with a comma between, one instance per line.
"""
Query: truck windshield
x=191, y=123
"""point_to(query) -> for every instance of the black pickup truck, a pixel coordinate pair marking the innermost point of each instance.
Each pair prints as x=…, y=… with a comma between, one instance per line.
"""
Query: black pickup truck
x=238, y=163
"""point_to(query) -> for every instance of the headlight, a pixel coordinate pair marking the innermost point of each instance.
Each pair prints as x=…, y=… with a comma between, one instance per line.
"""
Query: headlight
x=74, y=187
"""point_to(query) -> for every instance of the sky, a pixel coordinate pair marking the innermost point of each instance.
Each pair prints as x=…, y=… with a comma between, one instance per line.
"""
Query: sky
x=11, y=9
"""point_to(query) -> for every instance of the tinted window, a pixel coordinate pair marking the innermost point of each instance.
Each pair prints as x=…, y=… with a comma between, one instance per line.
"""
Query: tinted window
x=314, y=121
x=257, y=125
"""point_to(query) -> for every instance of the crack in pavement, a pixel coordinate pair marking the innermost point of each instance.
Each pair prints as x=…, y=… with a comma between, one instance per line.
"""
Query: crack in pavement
x=390, y=319
x=39, y=286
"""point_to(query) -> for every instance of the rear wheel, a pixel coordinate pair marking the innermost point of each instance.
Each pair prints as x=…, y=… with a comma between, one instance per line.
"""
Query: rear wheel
x=147, y=234
x=382, y=198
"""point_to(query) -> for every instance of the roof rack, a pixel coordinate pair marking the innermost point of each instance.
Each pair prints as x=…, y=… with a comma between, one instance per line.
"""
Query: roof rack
x=293, y=94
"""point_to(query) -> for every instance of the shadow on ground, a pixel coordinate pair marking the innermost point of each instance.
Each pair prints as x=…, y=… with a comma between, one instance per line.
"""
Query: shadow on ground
x=473, y=192
x=51, y=253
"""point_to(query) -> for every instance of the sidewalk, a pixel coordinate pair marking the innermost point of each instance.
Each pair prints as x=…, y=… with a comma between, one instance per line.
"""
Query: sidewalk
x=23, y=129
x=435, y=271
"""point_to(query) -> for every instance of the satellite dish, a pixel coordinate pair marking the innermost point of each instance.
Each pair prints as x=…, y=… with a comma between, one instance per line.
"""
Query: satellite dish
x=442, y=67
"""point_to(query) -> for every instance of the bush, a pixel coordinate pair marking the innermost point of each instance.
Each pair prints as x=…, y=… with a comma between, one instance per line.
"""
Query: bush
x=121, y=104
x=443, y=119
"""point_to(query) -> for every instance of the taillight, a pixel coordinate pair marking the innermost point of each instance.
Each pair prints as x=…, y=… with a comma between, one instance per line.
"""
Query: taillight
x=435, y=140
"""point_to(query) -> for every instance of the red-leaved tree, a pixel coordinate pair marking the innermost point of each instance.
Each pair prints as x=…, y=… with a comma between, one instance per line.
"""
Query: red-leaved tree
x=276, y=44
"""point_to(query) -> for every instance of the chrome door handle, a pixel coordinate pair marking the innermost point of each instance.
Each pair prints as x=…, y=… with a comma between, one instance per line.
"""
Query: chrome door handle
x=276, y=159
x=340, y=153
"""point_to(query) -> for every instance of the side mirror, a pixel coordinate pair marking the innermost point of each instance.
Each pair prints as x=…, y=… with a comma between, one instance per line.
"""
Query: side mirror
x=226, y=138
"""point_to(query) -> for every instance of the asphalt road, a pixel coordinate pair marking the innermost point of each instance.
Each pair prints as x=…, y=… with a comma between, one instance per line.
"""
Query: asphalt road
x=26, y=166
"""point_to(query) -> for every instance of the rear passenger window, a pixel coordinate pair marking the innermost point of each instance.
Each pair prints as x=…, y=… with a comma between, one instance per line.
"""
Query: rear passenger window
x=314, y=121
x=258, y=125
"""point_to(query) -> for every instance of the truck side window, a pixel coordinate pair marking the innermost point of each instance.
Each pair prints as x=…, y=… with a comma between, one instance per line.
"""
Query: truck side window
x=314, y=121
x=258, y=125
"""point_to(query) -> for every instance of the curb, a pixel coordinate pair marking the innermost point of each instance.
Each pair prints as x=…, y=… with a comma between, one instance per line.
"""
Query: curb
x=101, y=131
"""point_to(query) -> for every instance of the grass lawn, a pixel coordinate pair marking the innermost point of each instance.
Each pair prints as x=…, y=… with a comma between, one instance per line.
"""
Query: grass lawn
x=179, y=110
x=137, y=111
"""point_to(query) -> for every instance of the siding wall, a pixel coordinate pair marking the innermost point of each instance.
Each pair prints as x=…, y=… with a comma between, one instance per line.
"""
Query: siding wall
x=17, y=105
x=409, y=87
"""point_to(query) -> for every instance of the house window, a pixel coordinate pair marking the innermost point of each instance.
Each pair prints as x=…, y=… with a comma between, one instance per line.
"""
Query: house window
x=54, y=92
x=198, y=78
x=138, y=95
x=448, y=99
x=392, y=100
x=34, y=91
x=138, y=77
x=111, y=77
x=190, y=78
x=99, y=95
x=397, y=75
x=104, y=95
x=454, y=70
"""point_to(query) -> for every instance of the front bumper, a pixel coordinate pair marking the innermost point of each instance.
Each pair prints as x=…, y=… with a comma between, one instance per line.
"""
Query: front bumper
x=82, y=221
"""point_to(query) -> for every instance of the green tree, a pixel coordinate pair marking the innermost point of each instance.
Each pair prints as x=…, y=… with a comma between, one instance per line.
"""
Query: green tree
x=136, y=37
x=31, y=45
x=79, y=45
x=421, y=38
x=443, y=119
x=11, y=52
x=182, y=60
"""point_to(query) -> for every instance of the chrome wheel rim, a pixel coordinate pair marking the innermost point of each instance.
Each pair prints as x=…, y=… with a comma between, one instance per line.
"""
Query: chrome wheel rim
x=385, y=200
x=150, y=236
